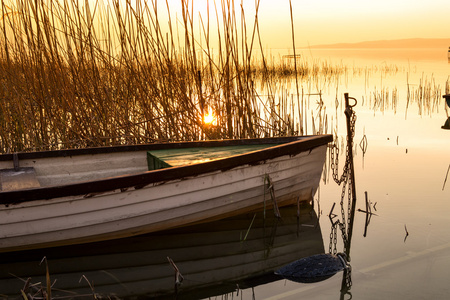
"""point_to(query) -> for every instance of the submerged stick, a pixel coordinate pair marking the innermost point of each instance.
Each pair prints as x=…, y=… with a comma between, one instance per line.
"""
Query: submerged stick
x=178, y=277
x=47, y=278
x=248, y=230
x=445, y=180
x=406, y=235
x=369, y=213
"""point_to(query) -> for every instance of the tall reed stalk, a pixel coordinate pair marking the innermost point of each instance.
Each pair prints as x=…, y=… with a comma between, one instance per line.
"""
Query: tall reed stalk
x=79, y=73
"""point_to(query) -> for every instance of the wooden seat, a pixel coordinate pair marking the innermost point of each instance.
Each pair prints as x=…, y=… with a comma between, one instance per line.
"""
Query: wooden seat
x=17, y=179
x=154, y=163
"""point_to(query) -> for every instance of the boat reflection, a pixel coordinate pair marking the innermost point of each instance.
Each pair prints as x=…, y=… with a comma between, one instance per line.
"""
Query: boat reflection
x=213, y=259
x=320, y=267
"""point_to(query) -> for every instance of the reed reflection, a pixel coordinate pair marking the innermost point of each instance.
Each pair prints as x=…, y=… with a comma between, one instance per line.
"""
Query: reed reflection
x=368, y=212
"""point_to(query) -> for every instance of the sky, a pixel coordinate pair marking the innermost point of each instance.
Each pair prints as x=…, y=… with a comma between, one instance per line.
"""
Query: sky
x=321, y=22
x=337, y=21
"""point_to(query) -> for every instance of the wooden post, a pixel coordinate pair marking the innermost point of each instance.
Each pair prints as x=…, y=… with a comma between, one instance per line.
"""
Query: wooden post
x=368, y=214
x=348, y=114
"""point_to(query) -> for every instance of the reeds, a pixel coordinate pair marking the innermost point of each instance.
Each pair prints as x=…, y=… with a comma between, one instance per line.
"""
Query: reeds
x=384, y=99
x=426, y=95
x=82, y=74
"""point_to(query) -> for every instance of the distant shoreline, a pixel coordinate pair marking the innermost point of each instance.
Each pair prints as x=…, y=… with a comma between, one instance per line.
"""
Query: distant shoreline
x=418, y=43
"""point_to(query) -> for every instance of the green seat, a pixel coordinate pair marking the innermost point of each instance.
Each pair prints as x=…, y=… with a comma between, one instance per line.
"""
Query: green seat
x=154, y=163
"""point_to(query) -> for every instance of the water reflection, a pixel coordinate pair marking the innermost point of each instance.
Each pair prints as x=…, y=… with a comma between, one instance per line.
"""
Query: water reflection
x=323, y=266
x=368, y=212
x=405, y=170
x=212, y=259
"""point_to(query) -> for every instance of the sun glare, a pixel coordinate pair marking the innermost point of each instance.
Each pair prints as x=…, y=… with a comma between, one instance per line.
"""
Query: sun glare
x=209, y=117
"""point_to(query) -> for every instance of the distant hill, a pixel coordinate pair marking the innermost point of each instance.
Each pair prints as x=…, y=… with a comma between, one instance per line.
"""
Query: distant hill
x=405, y=43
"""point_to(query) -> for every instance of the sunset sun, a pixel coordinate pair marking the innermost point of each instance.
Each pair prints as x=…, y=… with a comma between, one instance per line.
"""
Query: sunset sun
x=209, y=117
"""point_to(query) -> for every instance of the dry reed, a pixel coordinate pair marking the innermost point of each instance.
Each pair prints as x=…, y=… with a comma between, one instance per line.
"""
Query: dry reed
x=426, y=95
x=91, y=74
x=82, y=74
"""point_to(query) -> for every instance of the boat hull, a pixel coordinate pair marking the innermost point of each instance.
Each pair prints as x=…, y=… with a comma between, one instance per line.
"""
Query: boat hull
x=122, y=212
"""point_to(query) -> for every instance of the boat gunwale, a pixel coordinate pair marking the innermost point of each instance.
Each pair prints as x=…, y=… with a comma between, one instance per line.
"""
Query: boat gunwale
x=291, y=146
x=147, y=147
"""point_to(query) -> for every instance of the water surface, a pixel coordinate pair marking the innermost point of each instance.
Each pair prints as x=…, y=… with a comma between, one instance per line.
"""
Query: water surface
x=401, y=160
x=403, y=171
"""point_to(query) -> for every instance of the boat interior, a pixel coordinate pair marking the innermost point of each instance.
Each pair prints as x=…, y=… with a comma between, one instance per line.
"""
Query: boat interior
x=17, y=174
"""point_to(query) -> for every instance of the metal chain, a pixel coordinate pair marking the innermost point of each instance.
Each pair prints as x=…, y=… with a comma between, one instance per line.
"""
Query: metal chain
x=332, y=248
x=348, y=278
x=350, y=178
x=349, y=206
x=335, y=154
x=348, y=282
x=346, y=181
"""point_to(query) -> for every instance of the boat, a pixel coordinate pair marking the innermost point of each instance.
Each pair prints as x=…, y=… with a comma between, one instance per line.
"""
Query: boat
x=67, y=197
x=215, y=258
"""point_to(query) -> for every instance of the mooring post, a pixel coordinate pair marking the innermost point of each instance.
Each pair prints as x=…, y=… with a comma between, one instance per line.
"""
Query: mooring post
x=348, y=114
x=368, y=214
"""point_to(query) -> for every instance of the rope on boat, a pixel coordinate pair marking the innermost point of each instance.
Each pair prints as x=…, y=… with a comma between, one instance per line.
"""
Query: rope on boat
x=271, y=190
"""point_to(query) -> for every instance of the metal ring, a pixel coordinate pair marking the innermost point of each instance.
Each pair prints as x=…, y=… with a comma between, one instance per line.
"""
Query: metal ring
x=356, y=102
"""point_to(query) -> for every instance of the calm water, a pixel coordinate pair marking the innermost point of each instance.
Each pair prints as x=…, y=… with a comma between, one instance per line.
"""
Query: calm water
x=403, y=171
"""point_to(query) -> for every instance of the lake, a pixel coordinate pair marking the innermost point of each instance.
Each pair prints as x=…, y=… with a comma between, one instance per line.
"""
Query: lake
x=403, y=171
x=401, y=159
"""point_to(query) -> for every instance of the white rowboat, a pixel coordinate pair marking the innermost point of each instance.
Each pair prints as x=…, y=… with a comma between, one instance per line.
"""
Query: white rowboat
x=65, y=197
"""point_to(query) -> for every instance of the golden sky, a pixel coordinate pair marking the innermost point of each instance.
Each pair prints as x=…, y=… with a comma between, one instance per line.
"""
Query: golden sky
x=331, y=21
x=319, y=22
x=338, y=21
